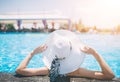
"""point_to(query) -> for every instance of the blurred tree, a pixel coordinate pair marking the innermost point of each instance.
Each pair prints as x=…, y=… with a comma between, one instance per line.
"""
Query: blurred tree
x=10, y=28
x=0, y=27
x=118, y=28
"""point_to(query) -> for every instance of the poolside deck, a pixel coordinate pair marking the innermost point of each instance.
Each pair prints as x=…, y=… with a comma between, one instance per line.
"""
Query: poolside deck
x=6, y=77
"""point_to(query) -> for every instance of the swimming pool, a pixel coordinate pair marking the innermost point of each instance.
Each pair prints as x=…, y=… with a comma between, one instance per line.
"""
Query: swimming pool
x=15, y=46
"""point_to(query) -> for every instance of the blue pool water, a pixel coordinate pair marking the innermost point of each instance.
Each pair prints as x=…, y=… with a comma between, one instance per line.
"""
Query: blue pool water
x=15, y=46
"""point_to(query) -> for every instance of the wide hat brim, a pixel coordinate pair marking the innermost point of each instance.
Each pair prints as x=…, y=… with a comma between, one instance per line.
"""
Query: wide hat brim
x=72, y=62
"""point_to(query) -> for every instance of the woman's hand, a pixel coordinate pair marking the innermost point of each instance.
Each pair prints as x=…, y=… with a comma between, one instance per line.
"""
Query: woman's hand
x=22, y=68
x=39, y=49
x=88, y=50
x=106, y=72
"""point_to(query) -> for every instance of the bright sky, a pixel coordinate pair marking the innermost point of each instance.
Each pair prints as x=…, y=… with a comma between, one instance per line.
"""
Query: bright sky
x=100, y=13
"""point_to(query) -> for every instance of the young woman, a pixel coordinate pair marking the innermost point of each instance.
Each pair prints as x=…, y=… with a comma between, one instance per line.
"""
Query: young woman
x=105, y=73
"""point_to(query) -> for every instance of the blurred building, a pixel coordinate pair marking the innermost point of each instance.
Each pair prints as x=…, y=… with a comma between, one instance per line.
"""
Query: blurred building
x=41, y=20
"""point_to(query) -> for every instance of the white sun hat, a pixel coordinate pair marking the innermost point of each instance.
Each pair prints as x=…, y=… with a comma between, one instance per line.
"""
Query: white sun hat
x=65, y=45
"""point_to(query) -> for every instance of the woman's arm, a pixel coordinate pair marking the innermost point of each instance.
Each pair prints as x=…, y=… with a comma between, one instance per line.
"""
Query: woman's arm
x=21, y=69
x=106, y=72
